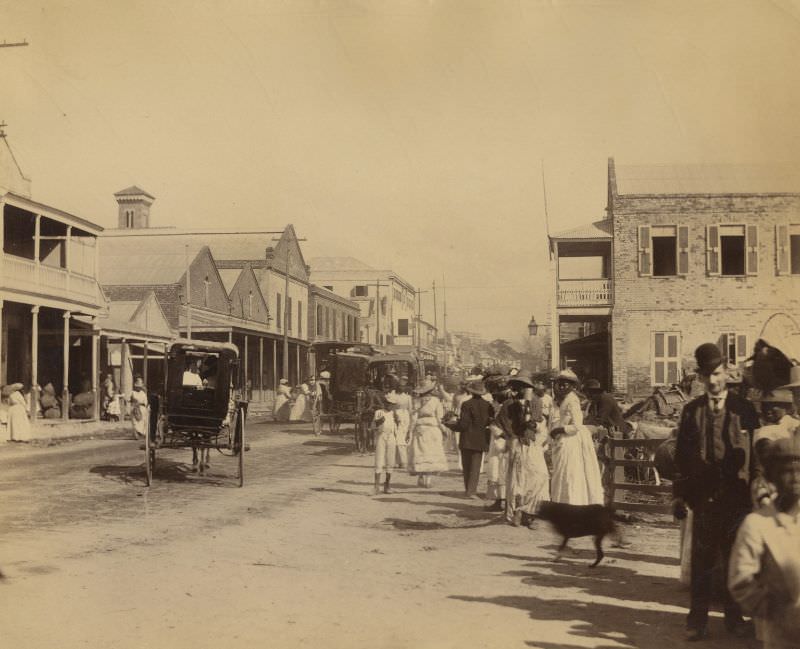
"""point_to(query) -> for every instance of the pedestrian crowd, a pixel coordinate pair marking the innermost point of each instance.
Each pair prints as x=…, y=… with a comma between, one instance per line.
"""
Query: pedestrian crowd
x=737, y=473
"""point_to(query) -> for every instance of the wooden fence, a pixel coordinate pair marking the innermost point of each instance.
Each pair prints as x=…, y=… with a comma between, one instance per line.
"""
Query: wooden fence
x=618, y=462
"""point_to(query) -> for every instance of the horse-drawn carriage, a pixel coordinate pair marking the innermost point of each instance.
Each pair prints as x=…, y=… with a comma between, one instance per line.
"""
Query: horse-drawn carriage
x=199, y=408
x=356, y=382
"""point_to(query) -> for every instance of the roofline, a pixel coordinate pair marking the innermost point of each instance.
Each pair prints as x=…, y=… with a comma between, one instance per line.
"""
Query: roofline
x=26, y=203
x=141, y=192
x=174, y=232
x=713, y=195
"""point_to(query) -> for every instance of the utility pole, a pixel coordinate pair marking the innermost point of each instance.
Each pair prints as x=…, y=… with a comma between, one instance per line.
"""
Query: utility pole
x=435, y=321
x=188, y=291
x=285, y=364
x=444, y=325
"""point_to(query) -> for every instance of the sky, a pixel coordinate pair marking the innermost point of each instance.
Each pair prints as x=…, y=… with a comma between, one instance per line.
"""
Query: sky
x=422, y=136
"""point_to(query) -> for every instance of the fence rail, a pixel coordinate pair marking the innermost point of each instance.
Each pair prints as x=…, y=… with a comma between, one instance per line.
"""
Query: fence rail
x=584, y=292
x=617, y=465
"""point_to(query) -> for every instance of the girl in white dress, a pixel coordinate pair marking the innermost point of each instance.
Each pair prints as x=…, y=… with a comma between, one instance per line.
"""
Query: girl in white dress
x=576, y=478
x=426, y=455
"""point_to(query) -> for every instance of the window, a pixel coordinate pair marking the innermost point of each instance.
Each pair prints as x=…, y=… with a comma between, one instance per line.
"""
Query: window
x=327, y=322
x=383, y=305
x=360, y=291
x=278, y=312
x=333, y=325
x=330, y=288
x=734, y=347
x=732, y=250
x=250, y=305
x=663, y=250
x=206, y=290
x=402, y=327
x=128, y=218
x=665, y=368
x=787, y=243
x=299, y=318
x=288, y=313
x=320, y=330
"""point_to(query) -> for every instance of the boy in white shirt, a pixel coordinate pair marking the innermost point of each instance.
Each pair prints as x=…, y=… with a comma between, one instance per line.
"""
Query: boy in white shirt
x=385, y=424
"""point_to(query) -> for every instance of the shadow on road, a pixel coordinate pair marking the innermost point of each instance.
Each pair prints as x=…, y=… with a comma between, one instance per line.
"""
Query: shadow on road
x=329, y=447
x=165, y=471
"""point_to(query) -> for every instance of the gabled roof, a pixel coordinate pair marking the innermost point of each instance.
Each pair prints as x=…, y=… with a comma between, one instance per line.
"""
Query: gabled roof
x=229, y=277
x=669, y=179
x=150, y=261
x=596, y=230
x=321, y=264
x=133, y=190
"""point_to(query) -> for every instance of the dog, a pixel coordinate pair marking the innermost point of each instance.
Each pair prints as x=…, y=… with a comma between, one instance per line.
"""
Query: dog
x=572, y=521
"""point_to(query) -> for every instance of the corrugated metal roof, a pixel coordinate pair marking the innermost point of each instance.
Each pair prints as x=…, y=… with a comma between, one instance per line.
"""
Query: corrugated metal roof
x=596, y=230
x=707, y=179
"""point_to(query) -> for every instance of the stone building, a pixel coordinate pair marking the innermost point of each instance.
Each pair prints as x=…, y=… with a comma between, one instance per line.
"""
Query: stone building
x=331, y=317
x=685, y=255
x=387, y=302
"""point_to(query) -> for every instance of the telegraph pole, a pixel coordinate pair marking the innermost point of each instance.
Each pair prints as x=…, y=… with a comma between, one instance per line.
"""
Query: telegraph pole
x=444, y=324
x=435, y=321
x=188, y=292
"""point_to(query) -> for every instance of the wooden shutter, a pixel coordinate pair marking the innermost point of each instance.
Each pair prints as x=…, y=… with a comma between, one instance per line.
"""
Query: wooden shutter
x=673, y=353
x=645, y=251
x=683, y=250
x=782, y=242
x=751, y=250
x=712, y=250
x=724, y=341
x=741, y=348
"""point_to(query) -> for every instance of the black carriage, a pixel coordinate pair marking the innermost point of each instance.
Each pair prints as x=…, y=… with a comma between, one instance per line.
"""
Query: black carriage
x=356, y=382
x=200, y=408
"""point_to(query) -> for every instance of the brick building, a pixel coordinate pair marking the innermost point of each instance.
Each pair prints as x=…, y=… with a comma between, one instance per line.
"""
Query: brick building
x=686, y=255
x=331, y=317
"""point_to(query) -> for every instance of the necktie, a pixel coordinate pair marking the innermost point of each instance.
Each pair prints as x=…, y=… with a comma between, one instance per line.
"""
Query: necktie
x=716, y=404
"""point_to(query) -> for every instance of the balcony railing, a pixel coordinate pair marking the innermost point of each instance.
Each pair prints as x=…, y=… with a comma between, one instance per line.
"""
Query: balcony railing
x=584, y=292
x=20, y=274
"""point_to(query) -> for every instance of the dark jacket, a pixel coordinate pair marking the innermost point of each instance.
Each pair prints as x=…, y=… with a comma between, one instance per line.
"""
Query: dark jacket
x=700, y=477
x=473, y=424
x=606, y=412
x=512, y=420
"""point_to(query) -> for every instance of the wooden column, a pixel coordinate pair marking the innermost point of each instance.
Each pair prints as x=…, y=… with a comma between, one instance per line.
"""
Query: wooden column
x=274, y=366
x=67, y=254
x=37, y=234
x=34, y=360
x=123, y=367
x=95, y=371
x=65, y=374
x=144, y=364
x=299, y=378
x=246, y=369
x=230, y=336
x=261, y=369
x=3, y=379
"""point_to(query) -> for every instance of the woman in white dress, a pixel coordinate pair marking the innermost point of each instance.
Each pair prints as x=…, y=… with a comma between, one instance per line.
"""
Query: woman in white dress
x=576, y=478
x=280, y=411
x=19, y=426
x=140, y=413
x=298, y=408
x=426, y=455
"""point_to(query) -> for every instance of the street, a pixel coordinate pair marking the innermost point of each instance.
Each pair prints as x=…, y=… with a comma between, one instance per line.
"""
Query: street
x=303, y=555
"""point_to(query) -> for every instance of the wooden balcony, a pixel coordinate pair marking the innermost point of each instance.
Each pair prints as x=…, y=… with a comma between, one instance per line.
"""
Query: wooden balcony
x=23, y=275
x=584, y=292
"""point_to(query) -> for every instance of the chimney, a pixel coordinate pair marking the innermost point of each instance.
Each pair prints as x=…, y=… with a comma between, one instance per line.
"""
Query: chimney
x=134, y=208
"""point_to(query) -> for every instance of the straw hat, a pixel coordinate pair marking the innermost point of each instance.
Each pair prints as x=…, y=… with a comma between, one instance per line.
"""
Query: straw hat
x=324, y=374
x=781, y=395
x=283, y=382
x=780, y=451
x=521, y=377
x=567, y=375
x=592, y=384
x=11, y=388
x=391, y=398
x=424, y=388
x=476, y=387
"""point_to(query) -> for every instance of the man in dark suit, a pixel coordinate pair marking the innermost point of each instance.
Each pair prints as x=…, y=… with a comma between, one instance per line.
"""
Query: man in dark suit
x=473, y=424
x=603, y=409
x=715, y=465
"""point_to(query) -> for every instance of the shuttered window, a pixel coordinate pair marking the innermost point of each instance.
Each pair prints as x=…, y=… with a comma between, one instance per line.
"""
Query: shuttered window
x=732, y=250
x=665, y=369
x=787, y=249
x=751, y=250
x=734, y=347
x=712, y=249
x=645, y=251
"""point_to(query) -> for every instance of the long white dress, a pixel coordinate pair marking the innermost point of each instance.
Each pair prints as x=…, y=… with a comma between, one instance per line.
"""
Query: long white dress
x=427, y=445
x=19, y=426
x=282, y=405
x=576, y=476
x=140, y=414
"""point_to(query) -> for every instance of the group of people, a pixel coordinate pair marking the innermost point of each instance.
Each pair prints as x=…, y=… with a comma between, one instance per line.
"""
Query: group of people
x=740, y=480
x=297, y=404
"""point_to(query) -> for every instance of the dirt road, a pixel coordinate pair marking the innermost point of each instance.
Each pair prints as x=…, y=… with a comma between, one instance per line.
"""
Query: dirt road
x=303, y=556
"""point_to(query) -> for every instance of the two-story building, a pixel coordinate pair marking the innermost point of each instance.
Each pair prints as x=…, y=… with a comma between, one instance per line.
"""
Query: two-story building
x=250, y=289
x=386, y=301
x=686, y=255
x=49, y=295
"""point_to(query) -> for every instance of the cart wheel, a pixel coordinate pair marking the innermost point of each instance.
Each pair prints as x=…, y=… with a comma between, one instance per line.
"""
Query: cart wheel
x=239, y=445
x=149, y=459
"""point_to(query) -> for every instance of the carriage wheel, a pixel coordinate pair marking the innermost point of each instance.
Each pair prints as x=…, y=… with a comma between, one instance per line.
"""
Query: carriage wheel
x=239, y=445
x=149, y=459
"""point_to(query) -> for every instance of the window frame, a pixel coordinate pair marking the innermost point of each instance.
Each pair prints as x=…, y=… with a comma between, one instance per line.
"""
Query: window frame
x=645, y=250
x=666, y=358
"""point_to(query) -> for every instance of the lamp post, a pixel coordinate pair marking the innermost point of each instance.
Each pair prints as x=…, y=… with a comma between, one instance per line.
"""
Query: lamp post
x=533, y=330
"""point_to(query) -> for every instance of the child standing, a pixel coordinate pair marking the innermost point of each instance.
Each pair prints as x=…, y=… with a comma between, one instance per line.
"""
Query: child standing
x=385, y=424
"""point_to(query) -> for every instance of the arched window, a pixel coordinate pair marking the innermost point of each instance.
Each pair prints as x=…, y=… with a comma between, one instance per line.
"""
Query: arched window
x=206, y=290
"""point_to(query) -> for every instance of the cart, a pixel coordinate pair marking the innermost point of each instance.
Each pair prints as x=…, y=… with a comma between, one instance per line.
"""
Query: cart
x=199, y=408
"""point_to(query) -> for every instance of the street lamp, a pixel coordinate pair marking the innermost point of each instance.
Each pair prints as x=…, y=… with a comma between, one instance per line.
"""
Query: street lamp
x=533, y=327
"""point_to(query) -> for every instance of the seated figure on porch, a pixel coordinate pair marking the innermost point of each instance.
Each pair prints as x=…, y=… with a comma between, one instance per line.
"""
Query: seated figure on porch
x=50, y=403
x=82, y=405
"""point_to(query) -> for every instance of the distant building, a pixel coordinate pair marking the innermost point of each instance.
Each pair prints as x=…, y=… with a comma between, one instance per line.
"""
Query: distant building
x=686, y=255
x=331, y=317
x=387, y=302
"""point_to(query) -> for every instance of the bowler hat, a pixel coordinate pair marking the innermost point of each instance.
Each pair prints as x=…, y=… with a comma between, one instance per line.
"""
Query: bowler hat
x=708, y=357
x=592, y=384
x=476, y=387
